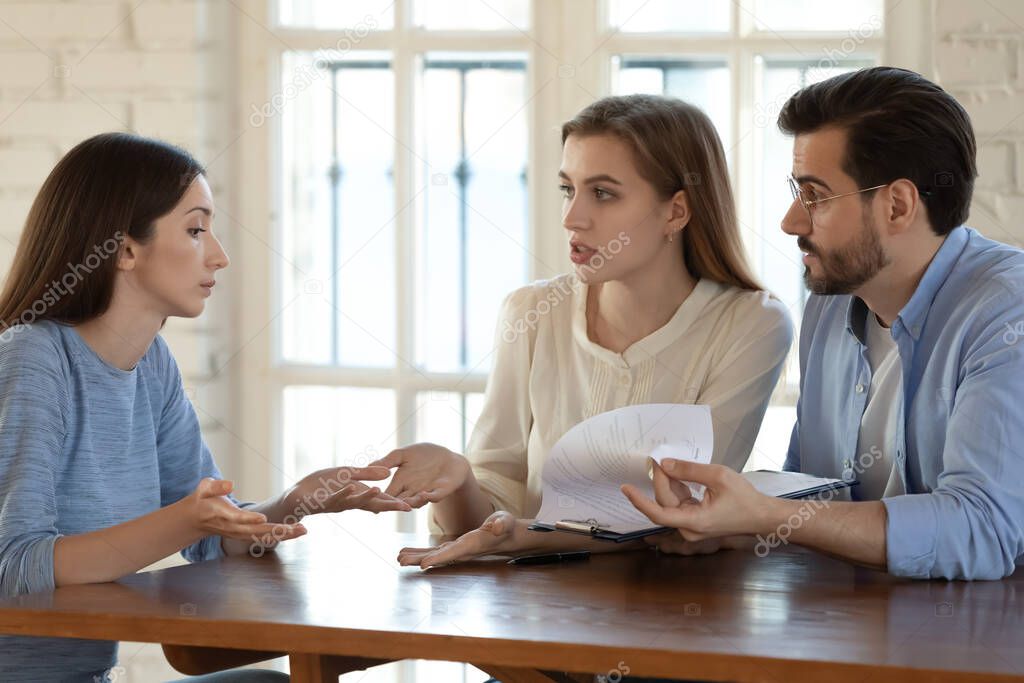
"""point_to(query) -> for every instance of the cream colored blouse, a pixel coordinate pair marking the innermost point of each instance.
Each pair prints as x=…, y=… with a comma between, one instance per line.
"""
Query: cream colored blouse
x=724, y=347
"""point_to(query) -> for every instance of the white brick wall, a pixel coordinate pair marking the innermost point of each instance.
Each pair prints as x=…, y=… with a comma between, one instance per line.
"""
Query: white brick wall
x=70, y=122
x=73, y=68
x=979, y=59
x=23, y=166
x=20, y=70
x=69, y=70
x=50, y=22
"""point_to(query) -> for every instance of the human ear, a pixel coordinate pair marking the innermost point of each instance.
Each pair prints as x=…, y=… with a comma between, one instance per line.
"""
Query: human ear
x=679, y=216
x=904, y=203
x=127, y=259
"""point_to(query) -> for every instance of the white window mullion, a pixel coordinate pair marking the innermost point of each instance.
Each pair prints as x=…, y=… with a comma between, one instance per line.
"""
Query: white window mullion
x=259, y=414
x=404, y=64
x=910, y=49
x=746, y=152
x=276, y=477
x=546, y=77
x=341, y=40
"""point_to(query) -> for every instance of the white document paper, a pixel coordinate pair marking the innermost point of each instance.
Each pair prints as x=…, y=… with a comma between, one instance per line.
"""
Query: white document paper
x=783, y=484
x=592, y=460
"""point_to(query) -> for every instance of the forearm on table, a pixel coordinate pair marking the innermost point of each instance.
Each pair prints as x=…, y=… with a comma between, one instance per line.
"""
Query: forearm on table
x=464, y=510
x=117, y=551
x=855, y=532
x=285, y=508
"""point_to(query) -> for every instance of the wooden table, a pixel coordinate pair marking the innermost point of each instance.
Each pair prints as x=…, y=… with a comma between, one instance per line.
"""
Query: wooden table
x=334, y=602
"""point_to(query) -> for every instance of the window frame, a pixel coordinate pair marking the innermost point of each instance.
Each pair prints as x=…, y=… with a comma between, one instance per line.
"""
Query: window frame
x=564, y=73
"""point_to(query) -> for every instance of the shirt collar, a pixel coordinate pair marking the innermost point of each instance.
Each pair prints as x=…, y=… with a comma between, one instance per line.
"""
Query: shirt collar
x=703, y=292
x=915, y=311
x=856, y=316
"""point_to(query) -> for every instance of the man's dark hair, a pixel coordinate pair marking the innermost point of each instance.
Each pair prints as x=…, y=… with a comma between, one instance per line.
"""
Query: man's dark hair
x=899, y=125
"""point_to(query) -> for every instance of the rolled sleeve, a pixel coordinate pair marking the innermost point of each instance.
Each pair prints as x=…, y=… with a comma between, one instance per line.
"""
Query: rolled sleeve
x=911, y=530
x=951, y=535
x=27, y=565
x=971, y=524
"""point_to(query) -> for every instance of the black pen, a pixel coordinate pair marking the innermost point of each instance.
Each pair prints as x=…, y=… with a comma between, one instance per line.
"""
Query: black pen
x=551, y=558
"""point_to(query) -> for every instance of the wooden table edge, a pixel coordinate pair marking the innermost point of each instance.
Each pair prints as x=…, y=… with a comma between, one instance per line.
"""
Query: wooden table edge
x=383, y=645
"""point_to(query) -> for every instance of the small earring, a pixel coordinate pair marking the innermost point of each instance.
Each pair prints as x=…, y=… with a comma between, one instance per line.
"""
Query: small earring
x=670, y=238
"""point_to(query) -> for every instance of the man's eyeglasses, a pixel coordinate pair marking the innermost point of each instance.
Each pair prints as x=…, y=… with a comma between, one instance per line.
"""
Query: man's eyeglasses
x=811, y=201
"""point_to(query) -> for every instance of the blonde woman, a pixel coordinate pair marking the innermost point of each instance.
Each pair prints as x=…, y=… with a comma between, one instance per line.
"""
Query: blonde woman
x=661, y=308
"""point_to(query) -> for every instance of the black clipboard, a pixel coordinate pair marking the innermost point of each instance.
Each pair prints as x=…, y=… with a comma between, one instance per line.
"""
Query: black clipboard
x=594, y=530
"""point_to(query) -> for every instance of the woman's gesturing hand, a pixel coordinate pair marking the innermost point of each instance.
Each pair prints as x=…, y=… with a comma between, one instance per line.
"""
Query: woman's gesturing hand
x=427, y=473
x=211, y=513
x=337, y=489
x=500, y=534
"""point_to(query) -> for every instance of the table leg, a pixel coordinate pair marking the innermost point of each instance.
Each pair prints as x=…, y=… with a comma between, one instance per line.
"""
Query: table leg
x=313, y=668
x=194, y=661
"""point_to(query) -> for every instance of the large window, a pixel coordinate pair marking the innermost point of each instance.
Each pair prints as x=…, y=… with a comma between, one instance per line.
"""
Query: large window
x=399, y=178
x=389, y=290
x=414, y=148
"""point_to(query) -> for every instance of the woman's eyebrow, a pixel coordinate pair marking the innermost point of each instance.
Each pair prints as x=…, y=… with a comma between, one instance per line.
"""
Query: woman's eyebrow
x=205, y=210
x=600, y=178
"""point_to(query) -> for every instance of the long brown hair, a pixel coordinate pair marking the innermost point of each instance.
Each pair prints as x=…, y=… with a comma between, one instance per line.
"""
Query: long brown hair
x=109, y=187
x=677, y=148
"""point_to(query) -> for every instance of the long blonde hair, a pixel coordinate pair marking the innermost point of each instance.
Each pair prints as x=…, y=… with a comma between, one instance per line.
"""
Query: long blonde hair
x=677, y=148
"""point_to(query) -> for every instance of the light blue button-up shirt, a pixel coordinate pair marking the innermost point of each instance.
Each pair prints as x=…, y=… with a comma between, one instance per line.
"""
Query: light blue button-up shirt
x=960, y=443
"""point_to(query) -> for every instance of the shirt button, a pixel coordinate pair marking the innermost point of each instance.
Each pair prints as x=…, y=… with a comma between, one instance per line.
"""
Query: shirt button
x=624, y=380
x=859, y=388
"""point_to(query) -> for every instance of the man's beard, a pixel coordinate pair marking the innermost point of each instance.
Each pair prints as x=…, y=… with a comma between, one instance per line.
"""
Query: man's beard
x=847, y=268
